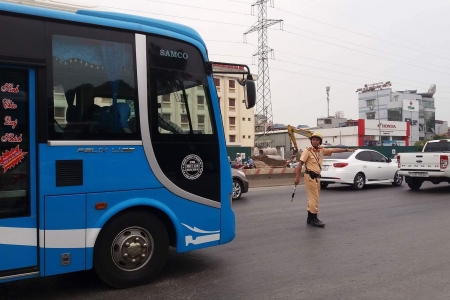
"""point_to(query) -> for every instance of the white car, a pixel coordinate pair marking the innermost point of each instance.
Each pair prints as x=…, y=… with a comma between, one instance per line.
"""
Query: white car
x=359, y=168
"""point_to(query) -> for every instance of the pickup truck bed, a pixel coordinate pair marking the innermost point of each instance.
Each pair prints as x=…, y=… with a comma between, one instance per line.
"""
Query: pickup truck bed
x=429, y=165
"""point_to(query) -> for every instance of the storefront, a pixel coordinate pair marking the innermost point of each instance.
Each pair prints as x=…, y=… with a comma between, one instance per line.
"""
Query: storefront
x=383, y=133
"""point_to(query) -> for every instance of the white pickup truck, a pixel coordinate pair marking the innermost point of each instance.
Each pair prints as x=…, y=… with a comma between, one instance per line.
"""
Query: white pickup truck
x=429, y=165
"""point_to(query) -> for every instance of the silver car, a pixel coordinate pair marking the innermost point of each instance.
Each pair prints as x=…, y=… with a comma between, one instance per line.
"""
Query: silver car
x=240, y=183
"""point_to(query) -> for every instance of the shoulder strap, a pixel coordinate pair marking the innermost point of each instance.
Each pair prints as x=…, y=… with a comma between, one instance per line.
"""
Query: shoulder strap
x=315, y=158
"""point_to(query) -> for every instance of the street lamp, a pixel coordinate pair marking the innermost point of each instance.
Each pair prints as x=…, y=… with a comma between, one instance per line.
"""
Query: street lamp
x=328, y=100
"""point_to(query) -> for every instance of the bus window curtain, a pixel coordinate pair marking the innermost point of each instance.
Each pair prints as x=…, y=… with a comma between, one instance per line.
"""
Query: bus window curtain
x=114, y=61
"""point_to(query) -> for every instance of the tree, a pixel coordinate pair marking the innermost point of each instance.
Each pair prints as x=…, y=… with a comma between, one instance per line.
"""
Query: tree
x=420, y=144
x=440, y=137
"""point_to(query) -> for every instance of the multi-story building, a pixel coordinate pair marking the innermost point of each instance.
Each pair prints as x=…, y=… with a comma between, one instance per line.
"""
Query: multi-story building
x=238, y=121
x=402, y=106
x=441, y=127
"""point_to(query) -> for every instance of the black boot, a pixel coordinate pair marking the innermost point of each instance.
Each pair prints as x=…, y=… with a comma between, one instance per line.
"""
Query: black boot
x=308, y=220
x=316, y=222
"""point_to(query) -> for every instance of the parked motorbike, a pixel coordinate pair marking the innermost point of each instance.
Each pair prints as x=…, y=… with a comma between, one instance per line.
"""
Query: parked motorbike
x=236, y=165
x=248, y=166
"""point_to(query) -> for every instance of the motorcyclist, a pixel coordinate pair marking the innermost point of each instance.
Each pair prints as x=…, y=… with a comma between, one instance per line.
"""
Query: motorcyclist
x=250, y=164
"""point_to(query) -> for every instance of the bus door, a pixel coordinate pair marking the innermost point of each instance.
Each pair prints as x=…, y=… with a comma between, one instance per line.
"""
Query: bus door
x=18, y=223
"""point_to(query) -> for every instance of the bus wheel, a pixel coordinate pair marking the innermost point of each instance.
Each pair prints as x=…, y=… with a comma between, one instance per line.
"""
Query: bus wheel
x=131, y=249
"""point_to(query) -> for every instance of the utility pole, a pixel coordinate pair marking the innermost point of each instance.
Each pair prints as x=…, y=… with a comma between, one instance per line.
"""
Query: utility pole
x=328, y=100
x=379, y=121
x=263, y=107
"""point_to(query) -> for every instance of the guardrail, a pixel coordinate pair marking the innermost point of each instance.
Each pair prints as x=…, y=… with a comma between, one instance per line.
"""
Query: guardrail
x=266, y=177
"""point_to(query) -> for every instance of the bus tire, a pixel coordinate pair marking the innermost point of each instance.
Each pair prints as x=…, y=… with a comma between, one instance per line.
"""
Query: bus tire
x=131, y=249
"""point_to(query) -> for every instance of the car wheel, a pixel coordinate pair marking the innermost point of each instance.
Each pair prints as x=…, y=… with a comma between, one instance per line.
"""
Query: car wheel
x=131, y=249
x=358, y=182
x=415, y=184
x=323, y=185
x=398, y=180
x=237, y=189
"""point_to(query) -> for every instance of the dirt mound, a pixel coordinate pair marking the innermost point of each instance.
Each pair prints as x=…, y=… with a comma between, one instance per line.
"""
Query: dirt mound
x=266, y=162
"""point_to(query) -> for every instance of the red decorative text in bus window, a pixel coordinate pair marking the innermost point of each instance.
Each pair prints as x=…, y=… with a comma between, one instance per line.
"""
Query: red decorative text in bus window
x=11, y=138
x=9, y=104
x=9, y=88
x=11, y=158
x=10, y=122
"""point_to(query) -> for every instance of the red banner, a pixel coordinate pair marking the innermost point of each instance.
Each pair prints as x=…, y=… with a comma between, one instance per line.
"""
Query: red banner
x=11, y=158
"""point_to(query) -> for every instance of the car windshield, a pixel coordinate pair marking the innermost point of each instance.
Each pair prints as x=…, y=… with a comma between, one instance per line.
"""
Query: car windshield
x=341, y=155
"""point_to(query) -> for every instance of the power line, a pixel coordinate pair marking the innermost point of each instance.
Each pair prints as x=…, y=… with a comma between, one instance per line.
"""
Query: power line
x=241, y=2
x=356, y=83
x=385, y=31
x=309, y=75
x=365, y=52
x=290, y=62
x=172, y=16
x=198, y=7
x=365, y=35
x=318, y=68
x=359, y=45
x=390, y=76
x=330, y=63
x=233, y=42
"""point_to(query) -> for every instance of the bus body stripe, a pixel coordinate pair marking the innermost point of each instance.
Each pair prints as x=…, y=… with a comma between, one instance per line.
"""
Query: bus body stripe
x=73, y=238
x=18, y=236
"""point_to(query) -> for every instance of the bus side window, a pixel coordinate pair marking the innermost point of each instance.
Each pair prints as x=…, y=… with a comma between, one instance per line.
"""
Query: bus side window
x=94, y=90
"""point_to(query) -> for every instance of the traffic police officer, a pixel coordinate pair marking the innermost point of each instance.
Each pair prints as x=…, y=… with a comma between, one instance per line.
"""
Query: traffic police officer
x=312, y=158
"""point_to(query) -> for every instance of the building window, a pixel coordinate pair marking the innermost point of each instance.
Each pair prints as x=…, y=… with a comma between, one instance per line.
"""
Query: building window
x=428, y=104
x=232, y=120
x=395, y=114
x=370, y=102
x=243, y=119
x=231, y=84
x=243, y=136
x=232, y=138
x=217, y=82
x=370, y=116
x=201, y=119
x=60, y=112
x=166, y=116
x=243, y=101
x=166, y=98
x=249, y=136
x=249, y=119
x=184, y=119
x=201, y=100
x=231, y=102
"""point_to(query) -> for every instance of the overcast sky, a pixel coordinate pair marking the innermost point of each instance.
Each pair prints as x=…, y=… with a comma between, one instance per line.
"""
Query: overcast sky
x=338, y=43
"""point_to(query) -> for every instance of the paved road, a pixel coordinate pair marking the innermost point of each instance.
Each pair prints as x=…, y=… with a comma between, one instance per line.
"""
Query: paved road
x=379, y=243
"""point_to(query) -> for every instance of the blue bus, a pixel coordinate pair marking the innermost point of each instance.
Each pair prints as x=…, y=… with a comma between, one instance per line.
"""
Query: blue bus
x=112, y=148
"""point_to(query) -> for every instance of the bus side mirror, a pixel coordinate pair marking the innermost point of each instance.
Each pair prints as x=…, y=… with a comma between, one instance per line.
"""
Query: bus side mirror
x=250, y=91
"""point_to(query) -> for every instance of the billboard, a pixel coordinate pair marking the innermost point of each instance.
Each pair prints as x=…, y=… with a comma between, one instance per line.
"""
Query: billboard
x=410, y=105
x=394, y=143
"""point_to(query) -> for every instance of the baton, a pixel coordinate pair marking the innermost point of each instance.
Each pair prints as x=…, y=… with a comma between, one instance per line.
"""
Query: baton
x=293, y=193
